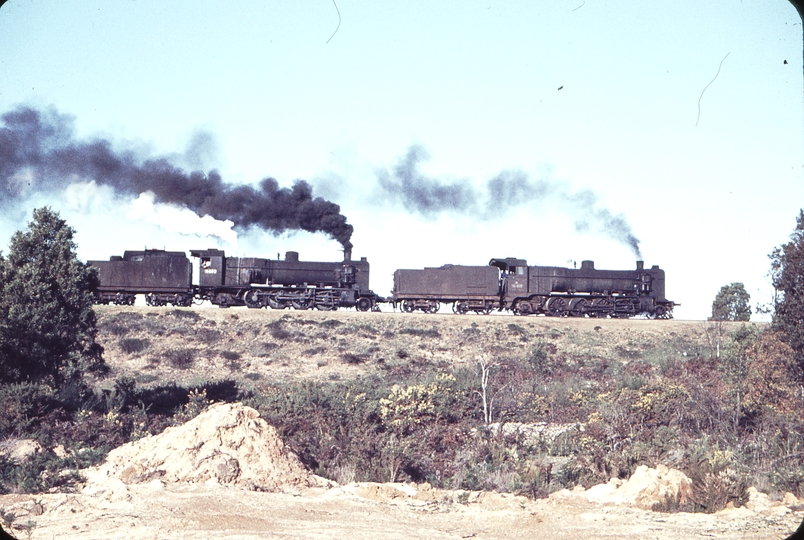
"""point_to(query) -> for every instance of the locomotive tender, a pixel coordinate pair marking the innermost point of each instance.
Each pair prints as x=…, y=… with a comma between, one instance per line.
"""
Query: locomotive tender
x=166, y=277
x=511, y=284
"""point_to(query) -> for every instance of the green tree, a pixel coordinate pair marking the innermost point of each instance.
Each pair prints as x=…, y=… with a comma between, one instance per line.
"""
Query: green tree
x=732, y=304
x=787, y=276
x=47, y=324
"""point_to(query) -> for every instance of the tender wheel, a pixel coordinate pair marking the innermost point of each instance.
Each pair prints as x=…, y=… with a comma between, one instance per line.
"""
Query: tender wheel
x=523, y=308
x=432, y=307
x=124, y=299
x=462, y=308
x=408, y=306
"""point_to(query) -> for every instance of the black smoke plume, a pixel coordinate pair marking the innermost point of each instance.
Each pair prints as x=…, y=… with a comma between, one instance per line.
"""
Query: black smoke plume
x=509, y=189
x=38, y=152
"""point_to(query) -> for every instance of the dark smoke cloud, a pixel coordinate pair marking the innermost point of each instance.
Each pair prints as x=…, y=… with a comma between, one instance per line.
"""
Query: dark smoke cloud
x=431, y=196
x=419, y=193
x=38, y=152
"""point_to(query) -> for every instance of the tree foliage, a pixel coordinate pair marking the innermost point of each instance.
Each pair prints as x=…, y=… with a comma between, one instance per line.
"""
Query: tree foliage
x=787, y=275
x=732, y=303
x=47, y=324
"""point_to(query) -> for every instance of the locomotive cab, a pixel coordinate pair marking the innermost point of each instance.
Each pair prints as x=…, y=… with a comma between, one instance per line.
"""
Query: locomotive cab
x=513, y=275
x=211, y=267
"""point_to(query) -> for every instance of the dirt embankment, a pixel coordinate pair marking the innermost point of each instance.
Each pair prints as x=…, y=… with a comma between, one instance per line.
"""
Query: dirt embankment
x=189, y=345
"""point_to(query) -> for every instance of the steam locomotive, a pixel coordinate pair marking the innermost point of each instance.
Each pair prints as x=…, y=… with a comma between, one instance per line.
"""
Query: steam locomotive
x=510, y=284
x=167, y=277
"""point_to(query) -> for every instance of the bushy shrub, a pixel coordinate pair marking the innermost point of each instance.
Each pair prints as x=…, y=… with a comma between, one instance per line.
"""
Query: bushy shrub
x=133, y=345
x=181, y=358
x=184, y=314
x=421, y=332
x=22, y=406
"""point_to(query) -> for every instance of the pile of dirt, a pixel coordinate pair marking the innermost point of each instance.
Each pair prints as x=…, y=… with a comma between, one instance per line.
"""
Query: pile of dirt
x=227, y=444
x=647, y=488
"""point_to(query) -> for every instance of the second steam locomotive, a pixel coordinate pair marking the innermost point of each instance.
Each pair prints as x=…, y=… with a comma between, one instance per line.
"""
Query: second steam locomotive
x=511, y=284
x=168, y=277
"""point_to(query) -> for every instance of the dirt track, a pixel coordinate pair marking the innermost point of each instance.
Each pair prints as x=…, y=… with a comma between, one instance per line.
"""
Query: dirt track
x=188, y=512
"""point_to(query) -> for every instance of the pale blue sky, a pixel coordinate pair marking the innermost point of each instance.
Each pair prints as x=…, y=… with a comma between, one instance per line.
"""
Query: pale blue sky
x=582, y=94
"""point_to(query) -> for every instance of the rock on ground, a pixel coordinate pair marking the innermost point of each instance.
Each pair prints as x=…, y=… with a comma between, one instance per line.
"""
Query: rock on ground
x=647, y=488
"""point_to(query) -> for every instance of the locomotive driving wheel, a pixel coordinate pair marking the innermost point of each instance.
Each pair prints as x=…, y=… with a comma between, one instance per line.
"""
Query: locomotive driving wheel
x=557, y=307
x=602, y=307
x=252, y=299
x=578, y=307
x=275, y=303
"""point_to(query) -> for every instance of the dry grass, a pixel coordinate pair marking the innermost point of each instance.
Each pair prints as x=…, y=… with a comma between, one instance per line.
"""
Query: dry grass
x=287, y=345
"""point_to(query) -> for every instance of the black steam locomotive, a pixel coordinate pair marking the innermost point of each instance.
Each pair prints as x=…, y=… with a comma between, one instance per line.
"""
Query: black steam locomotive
x=166, y=277
x=511, y=284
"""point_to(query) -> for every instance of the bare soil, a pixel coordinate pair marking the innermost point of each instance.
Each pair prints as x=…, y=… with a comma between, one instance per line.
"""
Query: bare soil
x=366, y=511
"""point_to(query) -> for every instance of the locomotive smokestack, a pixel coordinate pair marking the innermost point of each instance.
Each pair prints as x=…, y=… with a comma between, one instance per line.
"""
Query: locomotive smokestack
x=347, y=254
x=640, y=265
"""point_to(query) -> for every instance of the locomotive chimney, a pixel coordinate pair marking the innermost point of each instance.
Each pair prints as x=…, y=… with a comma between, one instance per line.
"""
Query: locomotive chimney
x=347, y=254
x=640, y=265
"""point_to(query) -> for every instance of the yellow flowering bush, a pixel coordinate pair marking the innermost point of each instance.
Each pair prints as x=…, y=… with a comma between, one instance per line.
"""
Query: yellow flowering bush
x=410, y=406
